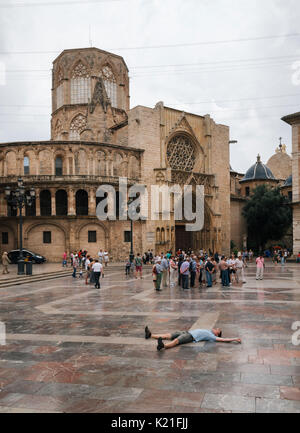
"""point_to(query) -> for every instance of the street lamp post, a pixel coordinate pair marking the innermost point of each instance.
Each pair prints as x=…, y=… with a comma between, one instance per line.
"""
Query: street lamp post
x=18, y=199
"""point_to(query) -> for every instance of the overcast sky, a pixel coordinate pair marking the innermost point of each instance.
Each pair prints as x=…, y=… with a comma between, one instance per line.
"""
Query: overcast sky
x=247, y=85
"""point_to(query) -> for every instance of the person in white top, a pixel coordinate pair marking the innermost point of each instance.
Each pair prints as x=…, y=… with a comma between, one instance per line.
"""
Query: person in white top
x=100, y=255
x=231, y=267
x=87, y=268
x=106, y=258
x=98, y=269
x=173, y=269
x=240, y=266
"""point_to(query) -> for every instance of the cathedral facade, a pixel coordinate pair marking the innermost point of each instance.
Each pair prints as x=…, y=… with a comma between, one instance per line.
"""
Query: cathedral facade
x=96, y=138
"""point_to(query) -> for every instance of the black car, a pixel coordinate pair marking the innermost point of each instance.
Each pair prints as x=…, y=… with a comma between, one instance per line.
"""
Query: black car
x=33, y=257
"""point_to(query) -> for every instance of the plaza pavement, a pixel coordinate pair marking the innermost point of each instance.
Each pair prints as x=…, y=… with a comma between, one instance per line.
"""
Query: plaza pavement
x=71, y=348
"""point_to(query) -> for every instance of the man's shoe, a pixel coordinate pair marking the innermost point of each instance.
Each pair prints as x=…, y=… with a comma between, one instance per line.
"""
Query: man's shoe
x=147, y=333
x=160, y=344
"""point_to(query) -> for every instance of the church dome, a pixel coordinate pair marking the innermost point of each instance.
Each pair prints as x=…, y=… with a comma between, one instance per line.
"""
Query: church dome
x=288, y=182
x=280, y=163
x=258, y=171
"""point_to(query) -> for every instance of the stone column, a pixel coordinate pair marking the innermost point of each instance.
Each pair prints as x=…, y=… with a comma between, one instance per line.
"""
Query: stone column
x=92, y=201
x=71, y=202
x=37, y=202
x=53, y=206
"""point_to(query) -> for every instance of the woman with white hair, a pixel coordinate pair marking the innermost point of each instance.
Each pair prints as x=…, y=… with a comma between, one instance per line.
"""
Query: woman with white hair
x=5, y=263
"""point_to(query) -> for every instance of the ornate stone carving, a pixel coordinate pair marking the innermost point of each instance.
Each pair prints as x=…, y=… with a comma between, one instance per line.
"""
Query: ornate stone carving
x=80, y=71
x=107, y=74
x=181, y=153
x=99, y=96
x=160, y=178
x=58, y=130
x=78, y=124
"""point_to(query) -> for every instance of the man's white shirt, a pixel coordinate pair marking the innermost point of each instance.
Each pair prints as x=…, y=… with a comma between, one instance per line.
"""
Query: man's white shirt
x=97, y=267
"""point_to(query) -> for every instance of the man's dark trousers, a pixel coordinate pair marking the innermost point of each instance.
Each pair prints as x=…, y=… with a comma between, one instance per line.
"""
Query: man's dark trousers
x=185, y=281
x=193, y=277
x=97, y=276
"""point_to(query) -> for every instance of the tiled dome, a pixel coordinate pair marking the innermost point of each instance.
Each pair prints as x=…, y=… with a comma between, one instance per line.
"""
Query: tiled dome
x=258, y=171
x=289, y=181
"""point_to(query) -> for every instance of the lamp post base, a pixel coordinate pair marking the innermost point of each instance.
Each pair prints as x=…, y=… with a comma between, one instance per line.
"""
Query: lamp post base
x=21, y=264
x=131, y=257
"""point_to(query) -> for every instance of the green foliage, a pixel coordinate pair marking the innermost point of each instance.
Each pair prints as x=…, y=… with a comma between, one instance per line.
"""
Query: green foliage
x=268, y=215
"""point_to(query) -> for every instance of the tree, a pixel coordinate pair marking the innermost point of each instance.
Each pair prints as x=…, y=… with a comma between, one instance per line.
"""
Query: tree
x=268, y=215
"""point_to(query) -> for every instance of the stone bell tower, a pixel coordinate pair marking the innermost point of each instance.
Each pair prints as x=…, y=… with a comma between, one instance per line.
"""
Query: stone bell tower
x=90, y=95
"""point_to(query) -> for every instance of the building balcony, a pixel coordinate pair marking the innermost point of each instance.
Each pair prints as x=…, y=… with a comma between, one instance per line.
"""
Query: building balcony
x=64, y=179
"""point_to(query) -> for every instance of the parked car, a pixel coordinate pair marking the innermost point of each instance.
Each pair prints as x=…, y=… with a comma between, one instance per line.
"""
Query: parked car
x=34, y=258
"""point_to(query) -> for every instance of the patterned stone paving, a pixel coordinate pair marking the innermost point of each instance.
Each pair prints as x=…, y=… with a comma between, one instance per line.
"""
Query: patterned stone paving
x=71, y=348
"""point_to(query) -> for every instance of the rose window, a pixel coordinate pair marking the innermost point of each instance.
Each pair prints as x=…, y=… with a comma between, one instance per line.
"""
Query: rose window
x=181, y=153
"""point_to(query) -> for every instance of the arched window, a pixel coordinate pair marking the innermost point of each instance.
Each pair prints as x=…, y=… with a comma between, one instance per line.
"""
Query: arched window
x=100, y=164
x=163, y=236
x=45, y=202
x=61, y=202
x=110, y=84
x=117, y=164
x=78, y=124
x=30, y=210
x=80, y=84
x=158, y=235
x=181, y=154
x=58, y=166
x=26, y=165
x=82, y=202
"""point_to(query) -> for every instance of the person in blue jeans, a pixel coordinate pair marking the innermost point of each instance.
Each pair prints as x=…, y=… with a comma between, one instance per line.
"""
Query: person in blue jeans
x=224, y=272
x=185, y=273
x=209, y=268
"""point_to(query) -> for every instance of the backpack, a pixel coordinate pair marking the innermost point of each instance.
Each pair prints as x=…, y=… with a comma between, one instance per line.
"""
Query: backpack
x=154, y=270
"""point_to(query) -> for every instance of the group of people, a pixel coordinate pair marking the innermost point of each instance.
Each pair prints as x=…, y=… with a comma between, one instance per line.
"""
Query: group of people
x=187, y=270
x=82, y=261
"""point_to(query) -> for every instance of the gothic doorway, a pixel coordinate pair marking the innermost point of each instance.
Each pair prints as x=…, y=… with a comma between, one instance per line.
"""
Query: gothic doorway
x=183, y=239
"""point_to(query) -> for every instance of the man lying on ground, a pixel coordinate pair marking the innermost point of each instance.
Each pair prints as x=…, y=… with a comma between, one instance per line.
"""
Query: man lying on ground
x=185, y=337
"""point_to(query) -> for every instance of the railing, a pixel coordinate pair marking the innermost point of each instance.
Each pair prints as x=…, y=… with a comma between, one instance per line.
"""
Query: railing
x=64, y=178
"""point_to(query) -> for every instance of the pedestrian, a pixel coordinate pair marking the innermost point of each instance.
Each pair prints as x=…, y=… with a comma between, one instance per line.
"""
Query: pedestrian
x=224, y=272
x=165, y=270
x=127, y=267
x=100, y=256
x=186, y=337
x=200, y=267
x=98, y=271
x=173, y=269
x=75, y=265
x=87, y=269
x=209, y=268
x=260, y=266
x=185, y=272
x=106, y=258
x=138, y=266
x=193, y=271
x=240, y=266
x=180, y=261
x=157, y=275
x=5, y=262
x=64, y=262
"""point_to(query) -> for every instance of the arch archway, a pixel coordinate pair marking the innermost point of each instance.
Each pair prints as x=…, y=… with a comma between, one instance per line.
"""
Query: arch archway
x=45, y=202
x=34, y=240
x=61, y=202
x=82, y=202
